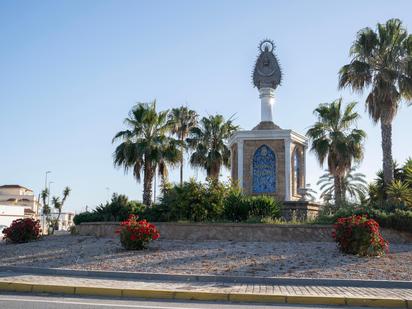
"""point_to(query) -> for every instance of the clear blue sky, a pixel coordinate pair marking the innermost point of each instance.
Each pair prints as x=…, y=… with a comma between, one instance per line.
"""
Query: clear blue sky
x=71, y=70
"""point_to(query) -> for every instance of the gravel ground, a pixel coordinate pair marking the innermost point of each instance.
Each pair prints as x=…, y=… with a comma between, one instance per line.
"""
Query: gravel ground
x=284, y=259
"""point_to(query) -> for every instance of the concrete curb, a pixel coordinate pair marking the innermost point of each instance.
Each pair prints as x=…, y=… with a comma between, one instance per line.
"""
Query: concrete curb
x=206, y=296
x=208, y=278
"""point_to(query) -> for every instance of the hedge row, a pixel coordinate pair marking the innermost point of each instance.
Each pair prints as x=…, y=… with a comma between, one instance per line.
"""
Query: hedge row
x=398, y=219
x=195, y=202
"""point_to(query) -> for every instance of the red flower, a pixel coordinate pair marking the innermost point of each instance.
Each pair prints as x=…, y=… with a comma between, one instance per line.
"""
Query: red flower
x=136, y=234
x=359, y=235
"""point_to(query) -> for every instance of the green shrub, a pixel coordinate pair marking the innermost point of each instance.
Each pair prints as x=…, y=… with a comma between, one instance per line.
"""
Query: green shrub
x=118, y=209
x=215, y=201
x=263, y=206
x=87, y=216
x=359, y=235
x=235, y=207
x=398, y=219
x=194, y=201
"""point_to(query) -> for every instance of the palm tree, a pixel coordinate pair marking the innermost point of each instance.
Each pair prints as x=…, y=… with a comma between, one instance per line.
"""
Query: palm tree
x=378, y=193
x=399, y=193
x=146, y=146
x=182, y=120
x=354, y=185
x=335, y=141
x=58, y=204
x=382, y=62
x=209, y=143
x=46, y=208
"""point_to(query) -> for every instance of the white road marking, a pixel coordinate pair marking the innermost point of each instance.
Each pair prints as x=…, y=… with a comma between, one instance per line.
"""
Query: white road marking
x=89, y=303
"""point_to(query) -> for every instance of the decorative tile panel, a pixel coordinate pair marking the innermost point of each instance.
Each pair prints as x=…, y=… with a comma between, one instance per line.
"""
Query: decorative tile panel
x=264, y=170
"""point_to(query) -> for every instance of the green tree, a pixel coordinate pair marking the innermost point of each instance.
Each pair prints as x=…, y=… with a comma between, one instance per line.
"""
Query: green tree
x=46, y=208
x=209, y=143
x=382, y=63
x=58, y=204
x=399, y=193
x=354, y=185
x=396, y=192
x=146, y=146
x=335, y=141
x=182, y=120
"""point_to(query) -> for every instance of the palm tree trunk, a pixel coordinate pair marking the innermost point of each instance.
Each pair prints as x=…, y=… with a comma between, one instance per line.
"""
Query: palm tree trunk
x=147, y=183
x=386, y=131
x=58, y=218
x=338, y=191
x=215, y=171
x=181, y=163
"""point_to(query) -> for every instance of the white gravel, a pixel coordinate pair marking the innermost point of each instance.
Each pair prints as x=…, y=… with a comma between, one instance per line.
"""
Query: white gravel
x=271, y=259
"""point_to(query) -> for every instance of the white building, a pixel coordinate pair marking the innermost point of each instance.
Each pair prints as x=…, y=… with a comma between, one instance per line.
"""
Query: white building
x=10, y=213
x=17, y=202
x=65, y=220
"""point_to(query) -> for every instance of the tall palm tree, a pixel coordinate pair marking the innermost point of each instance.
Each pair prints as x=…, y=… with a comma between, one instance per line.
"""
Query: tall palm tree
x=382, y=62
x=335, y=141
x=46, y=208
x=209, y=143
x=146, y=146
x=354, y=185
x=58, y=204
x=182, y=120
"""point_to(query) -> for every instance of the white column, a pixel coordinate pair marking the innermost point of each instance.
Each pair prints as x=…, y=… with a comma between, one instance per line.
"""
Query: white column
x=287, y=168
x=304, y=166
x=240, y=162
x=267, y=101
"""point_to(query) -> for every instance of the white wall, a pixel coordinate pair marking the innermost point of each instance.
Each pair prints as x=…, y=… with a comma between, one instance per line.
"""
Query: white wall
x=10, y=213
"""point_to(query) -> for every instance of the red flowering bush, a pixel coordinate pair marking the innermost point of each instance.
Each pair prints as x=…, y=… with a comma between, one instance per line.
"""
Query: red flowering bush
x=135, y=234
x=359, y=235
x=22, y=230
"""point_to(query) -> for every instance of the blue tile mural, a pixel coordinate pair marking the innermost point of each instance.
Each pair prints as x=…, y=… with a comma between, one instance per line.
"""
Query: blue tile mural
x=264, y=170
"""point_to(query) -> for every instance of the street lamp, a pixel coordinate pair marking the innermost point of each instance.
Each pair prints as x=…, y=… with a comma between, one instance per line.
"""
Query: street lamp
x=108, y=193
x=45, y=182
x=48, y=197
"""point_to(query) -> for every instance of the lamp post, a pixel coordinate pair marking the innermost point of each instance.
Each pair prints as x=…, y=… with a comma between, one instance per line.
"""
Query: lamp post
x=108, y=193
x=48, y=197
x=45, y=181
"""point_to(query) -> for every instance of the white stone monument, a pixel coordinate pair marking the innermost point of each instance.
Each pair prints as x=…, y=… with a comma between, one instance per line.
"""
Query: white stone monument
x=267, y=159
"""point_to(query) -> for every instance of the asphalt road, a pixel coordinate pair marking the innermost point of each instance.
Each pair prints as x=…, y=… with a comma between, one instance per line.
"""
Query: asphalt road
x=31, y=301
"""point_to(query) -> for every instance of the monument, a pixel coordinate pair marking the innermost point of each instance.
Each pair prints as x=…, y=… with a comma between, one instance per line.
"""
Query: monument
x=267, y=159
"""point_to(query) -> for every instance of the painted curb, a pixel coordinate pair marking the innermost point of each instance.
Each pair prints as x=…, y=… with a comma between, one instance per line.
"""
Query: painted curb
x=10, y=286
x=208, y=278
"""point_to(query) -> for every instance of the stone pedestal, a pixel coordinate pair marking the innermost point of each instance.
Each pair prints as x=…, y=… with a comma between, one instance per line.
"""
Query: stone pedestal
x=300, y=210
x=268, y=160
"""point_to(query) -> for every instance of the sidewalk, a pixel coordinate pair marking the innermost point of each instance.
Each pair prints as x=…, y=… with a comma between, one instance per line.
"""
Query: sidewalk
x=319, y=293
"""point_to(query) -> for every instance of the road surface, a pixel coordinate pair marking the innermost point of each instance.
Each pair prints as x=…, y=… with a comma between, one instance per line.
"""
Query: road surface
x=32, y=301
